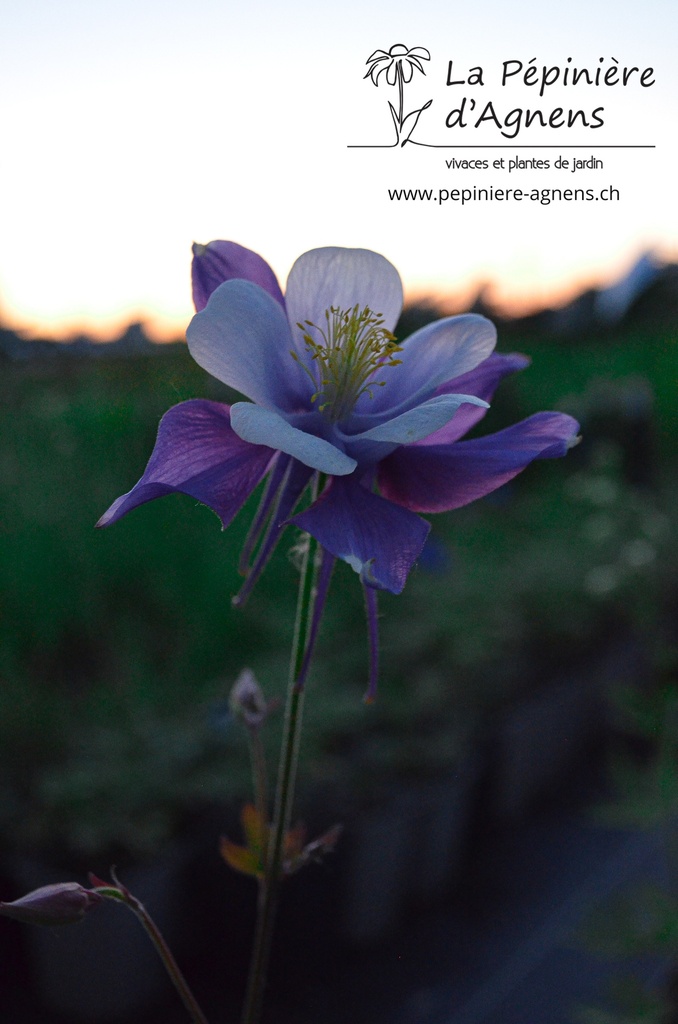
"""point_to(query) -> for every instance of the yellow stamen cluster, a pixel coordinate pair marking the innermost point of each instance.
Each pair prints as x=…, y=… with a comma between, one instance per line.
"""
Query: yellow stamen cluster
x=353, y=345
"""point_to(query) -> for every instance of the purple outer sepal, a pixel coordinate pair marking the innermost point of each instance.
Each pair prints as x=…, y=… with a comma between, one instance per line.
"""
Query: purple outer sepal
x=481, y=382
x=197, y=453
x=438, y=478
x=221, y=261
x=377, y=538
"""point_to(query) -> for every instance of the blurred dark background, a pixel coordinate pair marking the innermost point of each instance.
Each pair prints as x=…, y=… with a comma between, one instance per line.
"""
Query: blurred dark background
x=534, y=643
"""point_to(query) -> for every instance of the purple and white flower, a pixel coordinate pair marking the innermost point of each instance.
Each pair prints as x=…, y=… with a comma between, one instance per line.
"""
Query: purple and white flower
x=332, y=396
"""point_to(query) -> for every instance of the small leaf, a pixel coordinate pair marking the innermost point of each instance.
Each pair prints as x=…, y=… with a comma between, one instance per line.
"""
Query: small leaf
x=240, y=858
x=396, y=122
x=416, y=114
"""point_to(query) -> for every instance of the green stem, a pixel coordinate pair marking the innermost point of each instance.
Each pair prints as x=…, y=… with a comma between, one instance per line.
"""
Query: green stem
x=259, y=775
x=289, y=756
x=122, y=895
x=399, y=74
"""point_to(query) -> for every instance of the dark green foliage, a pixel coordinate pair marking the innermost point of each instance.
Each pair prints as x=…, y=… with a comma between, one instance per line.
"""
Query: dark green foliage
x=118, y=647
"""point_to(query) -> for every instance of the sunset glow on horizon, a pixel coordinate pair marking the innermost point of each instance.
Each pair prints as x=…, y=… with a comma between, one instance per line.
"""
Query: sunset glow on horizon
x=512, y=298
x=130, y=130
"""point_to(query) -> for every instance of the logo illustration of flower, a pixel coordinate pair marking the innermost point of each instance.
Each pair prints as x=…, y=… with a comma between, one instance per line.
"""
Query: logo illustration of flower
x=399, y=63
x=333, y=400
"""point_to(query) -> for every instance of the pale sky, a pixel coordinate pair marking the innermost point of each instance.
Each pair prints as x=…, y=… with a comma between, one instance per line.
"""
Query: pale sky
x=132, y=128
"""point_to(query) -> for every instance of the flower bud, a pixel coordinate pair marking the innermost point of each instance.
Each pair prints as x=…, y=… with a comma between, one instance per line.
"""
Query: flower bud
x=247, y=700
x=63, y=903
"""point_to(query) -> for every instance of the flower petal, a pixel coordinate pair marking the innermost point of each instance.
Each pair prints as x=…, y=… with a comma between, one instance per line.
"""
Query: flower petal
x=377, y=538
x=197, y=453
x=416, y=63
x=419, y=51
x=483, y=382
x=377, y=72
x=437, y=353
x=221, y=261
x=242, y=338
x=437, y=478
x=263, y=426
x=414, y=425
x=323, y=278
x=406, y=70
x=378, y=55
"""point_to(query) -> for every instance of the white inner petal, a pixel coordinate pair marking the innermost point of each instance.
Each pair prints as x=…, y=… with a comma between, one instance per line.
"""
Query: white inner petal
x=263, y=426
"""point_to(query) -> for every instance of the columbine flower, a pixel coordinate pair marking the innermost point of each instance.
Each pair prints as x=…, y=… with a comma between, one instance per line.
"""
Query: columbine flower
x=333, y=396
x=399, y=62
